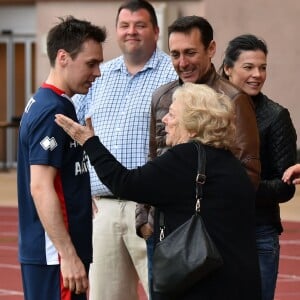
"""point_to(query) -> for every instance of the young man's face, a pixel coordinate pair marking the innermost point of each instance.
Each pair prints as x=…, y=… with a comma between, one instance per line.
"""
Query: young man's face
x=80, y=72
x=189, y=57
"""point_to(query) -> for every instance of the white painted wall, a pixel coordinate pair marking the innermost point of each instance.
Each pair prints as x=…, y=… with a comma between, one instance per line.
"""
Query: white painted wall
x=19, y=19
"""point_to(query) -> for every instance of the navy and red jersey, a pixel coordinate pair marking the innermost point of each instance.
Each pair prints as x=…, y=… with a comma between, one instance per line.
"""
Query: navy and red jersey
x=43, y=142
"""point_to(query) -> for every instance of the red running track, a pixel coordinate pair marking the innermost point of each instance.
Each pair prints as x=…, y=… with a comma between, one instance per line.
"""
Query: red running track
x=288, y=284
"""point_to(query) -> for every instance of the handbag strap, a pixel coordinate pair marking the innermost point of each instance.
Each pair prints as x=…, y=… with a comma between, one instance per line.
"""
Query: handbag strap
x=201, y=177
x=200, y=180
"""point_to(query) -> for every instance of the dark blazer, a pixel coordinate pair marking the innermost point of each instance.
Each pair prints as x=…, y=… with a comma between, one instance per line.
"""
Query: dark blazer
x=168, y=183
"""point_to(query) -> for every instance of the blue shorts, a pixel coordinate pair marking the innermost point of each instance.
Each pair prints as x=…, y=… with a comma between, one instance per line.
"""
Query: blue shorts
x=44, y=282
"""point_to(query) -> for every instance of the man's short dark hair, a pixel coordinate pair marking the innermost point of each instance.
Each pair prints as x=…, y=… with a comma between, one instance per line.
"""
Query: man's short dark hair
x=70, y=34
x=135, y=5
x=187, y=23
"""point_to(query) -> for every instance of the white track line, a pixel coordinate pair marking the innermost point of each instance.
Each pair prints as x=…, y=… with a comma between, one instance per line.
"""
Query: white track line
x=9, y=266
x=290, y=257
x=10, y=293
x=290, y=242
x=13, y=248
x=288, y=278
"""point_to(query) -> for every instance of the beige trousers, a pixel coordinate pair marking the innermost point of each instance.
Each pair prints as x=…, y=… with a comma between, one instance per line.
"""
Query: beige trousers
x=119, y=255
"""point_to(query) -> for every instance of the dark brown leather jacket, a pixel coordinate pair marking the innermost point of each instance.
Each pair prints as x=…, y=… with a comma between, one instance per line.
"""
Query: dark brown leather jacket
x=246, y=148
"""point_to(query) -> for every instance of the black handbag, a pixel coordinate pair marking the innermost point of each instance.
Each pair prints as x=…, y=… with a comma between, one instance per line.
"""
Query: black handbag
x=188, y=254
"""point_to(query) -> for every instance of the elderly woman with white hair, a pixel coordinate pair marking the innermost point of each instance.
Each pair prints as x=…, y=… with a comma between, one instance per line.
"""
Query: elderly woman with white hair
x=197, y=113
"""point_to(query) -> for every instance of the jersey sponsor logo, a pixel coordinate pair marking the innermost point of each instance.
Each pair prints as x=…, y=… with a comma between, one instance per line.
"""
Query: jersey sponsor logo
x=82, y=167
x=48, y=143
x=73, y=144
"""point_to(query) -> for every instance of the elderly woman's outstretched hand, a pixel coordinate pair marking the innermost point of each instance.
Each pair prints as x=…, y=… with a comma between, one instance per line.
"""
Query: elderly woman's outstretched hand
x=76, y=131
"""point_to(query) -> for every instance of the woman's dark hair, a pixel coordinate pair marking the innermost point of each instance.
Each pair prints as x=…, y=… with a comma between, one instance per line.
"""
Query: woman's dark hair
x=135, y=5
x=70, y=34
x=245, y=42
x=187, y=23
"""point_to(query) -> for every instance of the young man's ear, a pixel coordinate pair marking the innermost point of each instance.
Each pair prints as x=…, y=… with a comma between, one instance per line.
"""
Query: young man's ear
x=62, y=57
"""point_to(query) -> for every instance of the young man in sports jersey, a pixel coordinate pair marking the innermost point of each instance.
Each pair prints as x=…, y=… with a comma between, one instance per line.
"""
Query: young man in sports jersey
x=54, y=197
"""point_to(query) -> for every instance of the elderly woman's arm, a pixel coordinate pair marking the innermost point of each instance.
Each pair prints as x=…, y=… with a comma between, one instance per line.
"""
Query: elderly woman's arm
x=76, y=131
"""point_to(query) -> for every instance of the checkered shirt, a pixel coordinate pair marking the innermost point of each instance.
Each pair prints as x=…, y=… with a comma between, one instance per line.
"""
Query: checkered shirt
x=119, y=105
